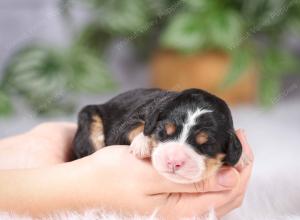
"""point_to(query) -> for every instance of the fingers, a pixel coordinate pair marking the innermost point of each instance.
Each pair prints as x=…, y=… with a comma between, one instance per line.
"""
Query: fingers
x=223, y=210
x=188, y=205
x=246, y=148
x=226, y=179
x=222, y=202
x=237, y=194
x=247, y=155
x=247, y=166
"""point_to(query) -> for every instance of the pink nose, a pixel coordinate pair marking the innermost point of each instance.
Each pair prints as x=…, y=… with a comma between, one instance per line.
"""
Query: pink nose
x=175, y=156
x=175, y=164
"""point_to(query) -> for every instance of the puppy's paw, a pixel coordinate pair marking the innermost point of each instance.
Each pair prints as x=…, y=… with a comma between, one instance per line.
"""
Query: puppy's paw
x=141, y=146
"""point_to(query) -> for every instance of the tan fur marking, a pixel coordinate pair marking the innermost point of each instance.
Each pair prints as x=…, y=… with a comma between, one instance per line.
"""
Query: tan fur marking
x=170, y=128
x=201, y=137
x=97, y=133
x=132, y=134
x=213, y=165
x=153, y=141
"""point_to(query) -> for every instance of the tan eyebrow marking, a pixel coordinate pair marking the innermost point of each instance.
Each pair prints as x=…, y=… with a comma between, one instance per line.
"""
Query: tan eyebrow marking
x=201, y=137
x=170, y=128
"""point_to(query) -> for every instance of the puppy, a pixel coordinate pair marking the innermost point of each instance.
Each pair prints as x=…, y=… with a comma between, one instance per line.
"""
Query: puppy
x=189, y=135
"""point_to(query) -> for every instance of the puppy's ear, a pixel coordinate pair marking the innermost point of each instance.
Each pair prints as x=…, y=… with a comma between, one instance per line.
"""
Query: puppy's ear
x=151, y=121
x=233, y=151
x=156, y=111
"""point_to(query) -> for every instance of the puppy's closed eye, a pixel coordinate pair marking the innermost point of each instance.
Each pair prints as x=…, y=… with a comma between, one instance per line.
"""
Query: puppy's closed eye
x=201, y=137
x=170, y=128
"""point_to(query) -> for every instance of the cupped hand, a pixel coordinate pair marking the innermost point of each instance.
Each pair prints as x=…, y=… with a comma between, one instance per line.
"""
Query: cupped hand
x=132, y=185
x=119, y=181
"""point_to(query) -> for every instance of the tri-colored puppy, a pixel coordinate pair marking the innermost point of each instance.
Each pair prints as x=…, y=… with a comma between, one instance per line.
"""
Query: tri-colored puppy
x=187, y=134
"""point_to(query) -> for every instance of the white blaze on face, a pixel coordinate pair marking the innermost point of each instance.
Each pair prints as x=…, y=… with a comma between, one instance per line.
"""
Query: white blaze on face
x=190, y=122
x=176, y=159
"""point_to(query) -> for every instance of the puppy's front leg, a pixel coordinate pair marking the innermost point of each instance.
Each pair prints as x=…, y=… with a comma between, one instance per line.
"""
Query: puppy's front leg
x=141, y=146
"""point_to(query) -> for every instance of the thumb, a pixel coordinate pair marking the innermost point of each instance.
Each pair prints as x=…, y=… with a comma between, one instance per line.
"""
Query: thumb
x=226, y=179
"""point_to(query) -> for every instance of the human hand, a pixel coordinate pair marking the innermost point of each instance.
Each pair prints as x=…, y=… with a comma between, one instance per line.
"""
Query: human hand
x=119, y=181
x=44, y=145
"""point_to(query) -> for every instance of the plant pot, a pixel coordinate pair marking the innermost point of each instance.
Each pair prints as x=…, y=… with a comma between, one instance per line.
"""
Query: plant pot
x=174, y=71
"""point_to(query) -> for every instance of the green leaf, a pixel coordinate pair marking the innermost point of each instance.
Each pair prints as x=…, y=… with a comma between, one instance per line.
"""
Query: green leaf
x=44, y=77
x=224, y=29
x=293, y=26
x=88, y=73
x=269, y=90
x=5, y=104
x=185, y=32
x=121, y=17
x=196, y=4
x=276, y=61
x=92, y=37
x=274, y=64
x=240, y=60
x=35, y=73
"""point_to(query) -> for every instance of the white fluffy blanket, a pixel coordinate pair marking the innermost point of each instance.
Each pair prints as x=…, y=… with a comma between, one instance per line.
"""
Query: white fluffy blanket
x=95, y=215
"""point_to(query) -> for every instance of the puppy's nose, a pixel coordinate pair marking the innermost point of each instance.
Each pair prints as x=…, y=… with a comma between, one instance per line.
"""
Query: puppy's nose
x=175, y=158
x=174, y=165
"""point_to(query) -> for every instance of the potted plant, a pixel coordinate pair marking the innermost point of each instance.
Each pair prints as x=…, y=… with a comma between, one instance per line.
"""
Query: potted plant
x=231, y=48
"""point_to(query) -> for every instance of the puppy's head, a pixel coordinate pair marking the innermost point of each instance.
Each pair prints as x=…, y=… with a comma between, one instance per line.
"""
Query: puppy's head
x=194, y=135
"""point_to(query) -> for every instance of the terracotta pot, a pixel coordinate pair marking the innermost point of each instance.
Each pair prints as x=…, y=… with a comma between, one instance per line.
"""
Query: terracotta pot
x=207, y=71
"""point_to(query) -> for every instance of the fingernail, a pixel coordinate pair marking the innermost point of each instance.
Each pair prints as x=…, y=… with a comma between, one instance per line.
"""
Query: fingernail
x=246, y=160
x=248, y=151
x=226, y=178
x=241, y=130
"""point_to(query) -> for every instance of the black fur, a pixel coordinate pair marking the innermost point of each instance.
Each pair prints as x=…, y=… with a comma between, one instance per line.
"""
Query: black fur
x=155, y=107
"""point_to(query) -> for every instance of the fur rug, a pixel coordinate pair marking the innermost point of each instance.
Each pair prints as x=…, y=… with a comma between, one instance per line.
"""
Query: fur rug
x=95, y=215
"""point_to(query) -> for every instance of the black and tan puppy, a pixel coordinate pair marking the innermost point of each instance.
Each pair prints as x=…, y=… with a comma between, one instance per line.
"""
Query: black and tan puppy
x=187, y=134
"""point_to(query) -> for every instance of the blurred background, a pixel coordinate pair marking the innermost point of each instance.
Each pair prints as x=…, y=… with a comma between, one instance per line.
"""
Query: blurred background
x=58, y=55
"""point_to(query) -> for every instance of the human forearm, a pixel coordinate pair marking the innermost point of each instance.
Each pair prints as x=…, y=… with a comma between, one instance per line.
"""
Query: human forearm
x=45, y=144
x=44, y=190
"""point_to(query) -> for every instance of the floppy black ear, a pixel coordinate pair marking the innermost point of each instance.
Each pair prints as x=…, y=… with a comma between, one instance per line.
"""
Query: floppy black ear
x=156, y=111
x=234, y=150
x=150, y=122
